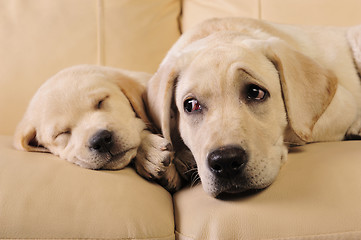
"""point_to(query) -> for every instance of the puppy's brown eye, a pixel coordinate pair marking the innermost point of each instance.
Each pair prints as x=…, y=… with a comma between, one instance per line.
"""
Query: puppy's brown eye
x=255, y=92
x=192, y=105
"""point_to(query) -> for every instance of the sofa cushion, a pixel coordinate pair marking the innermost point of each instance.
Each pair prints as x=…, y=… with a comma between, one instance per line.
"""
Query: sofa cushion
x=317, y=195
x=42, y=196
x=305, y=12
x=40, y=37
x=196, y=11
x=320, y=12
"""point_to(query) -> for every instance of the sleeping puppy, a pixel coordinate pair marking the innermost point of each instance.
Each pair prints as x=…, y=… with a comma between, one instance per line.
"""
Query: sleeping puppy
x=94, y=117
x=236, y=92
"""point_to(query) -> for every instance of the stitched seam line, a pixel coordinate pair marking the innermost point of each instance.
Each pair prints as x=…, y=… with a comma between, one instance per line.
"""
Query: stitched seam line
x=324, y=236
x=184, y=235
x=155, y=238
x=179, y=17
x=352, y=234
x=100, y=31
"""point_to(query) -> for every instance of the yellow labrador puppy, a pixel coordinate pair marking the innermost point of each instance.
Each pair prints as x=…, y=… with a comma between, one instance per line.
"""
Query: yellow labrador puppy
x=234, y=91
x=94, y=117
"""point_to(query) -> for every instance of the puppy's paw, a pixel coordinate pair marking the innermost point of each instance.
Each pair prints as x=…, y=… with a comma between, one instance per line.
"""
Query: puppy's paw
x=354, y=132
x=154, y=161
x=186, y=165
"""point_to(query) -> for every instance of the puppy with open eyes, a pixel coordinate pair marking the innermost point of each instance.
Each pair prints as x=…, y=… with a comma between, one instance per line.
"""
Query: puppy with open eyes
x=94, y=117
x=233, y=92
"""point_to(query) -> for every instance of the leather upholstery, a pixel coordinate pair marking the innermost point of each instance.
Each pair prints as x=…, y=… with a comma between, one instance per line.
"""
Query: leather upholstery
x=44, y=197
x=315, y=196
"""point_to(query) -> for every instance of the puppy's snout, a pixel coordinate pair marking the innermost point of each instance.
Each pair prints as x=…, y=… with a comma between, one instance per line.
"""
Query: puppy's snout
x=227, y=162
x=101, y=141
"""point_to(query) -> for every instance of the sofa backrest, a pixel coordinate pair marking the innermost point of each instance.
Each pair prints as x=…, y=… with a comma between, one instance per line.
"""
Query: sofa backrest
x=40, y=37
x=304, y=12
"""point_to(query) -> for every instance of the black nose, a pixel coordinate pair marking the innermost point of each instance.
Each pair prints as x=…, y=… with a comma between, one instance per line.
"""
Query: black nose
x=227, y=162
x=101, y=141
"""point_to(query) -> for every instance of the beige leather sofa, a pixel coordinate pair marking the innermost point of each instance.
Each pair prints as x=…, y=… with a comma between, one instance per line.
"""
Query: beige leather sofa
x=316, y=196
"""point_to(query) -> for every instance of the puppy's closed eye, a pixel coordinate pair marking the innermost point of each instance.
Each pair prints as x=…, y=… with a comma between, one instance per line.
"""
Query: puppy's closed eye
x=62, y=133
x=100, y=103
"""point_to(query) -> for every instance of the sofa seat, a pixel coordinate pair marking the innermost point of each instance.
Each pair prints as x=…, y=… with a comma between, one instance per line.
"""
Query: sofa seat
x=317, y=195
x=44, y=197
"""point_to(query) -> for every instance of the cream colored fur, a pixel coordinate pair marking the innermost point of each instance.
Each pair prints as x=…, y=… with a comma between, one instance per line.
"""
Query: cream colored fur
x=309, y=73
x=71, y=107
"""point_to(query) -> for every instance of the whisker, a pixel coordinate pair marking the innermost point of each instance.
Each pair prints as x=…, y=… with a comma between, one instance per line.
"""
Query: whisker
x=195, y=178
x=195, y=181
x=190, y=170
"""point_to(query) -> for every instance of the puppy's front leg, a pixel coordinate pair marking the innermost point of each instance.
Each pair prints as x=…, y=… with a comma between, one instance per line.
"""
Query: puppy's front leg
x=354, y=132
x=186, y=165
x=154, y=161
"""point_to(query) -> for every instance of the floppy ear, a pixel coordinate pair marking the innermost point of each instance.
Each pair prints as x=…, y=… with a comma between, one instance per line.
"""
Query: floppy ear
x=307, y=87
x=160, y=96
x=25, y=138
x=134, y=91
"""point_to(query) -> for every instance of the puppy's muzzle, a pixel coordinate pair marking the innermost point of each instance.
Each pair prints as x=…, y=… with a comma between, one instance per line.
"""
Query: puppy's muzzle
x=227, y=162
x=101, y=141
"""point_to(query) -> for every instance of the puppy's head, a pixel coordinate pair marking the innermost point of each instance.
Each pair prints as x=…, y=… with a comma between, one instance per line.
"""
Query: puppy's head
x=91, y=116
x=234, y=100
